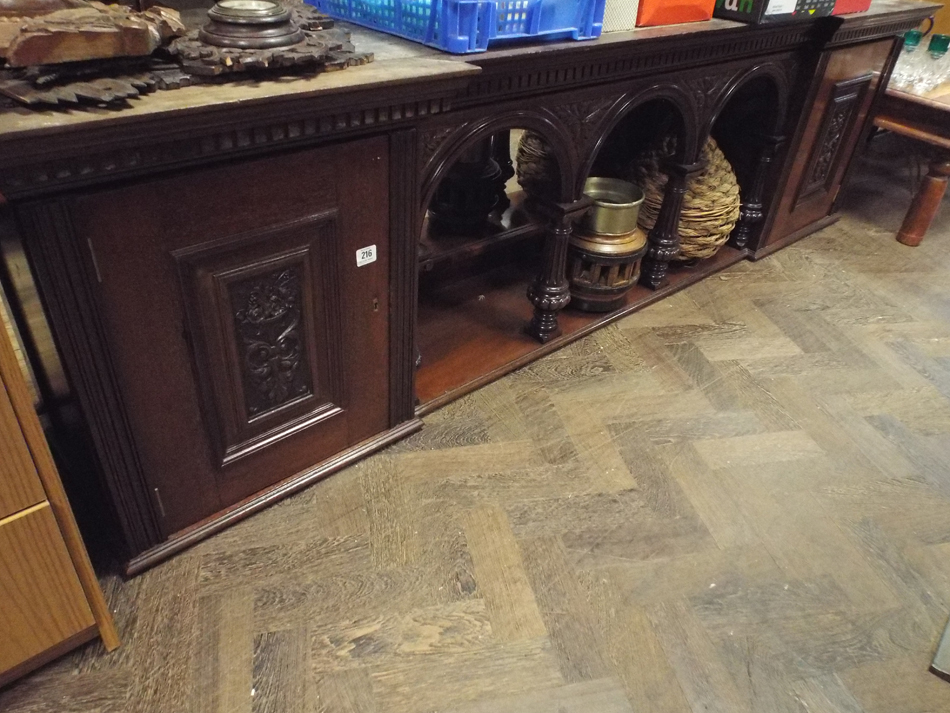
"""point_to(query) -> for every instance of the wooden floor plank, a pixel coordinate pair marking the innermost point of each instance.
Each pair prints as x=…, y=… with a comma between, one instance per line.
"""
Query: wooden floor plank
x=706, y=682
x=567, y=616
x=500, y=574
x=634, y=651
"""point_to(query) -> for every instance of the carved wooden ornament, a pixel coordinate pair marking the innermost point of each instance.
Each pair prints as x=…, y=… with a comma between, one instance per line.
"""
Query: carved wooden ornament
x=93, y=31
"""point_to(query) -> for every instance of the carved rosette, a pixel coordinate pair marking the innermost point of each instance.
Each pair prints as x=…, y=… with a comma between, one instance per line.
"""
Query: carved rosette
x=705, y=90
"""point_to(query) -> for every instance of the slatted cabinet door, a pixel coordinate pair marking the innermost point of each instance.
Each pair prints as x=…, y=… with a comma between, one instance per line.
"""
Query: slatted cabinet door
x=249, y=342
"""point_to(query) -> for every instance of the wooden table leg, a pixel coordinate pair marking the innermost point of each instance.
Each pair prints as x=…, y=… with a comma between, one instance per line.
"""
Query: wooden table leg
x=926, y=203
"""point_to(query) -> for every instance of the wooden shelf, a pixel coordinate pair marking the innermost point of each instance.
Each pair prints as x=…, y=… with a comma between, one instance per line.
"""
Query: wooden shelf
x=501, y=230
x=471, y=332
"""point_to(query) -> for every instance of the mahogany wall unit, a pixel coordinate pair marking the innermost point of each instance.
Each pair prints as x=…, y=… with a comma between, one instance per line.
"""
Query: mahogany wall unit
x=197, y=253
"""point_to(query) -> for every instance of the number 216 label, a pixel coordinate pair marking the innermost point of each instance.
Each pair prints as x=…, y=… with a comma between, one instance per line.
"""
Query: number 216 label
x=364, y=256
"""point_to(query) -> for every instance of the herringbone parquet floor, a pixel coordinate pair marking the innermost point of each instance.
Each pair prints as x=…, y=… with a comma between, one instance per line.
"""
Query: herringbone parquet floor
x=736, y=501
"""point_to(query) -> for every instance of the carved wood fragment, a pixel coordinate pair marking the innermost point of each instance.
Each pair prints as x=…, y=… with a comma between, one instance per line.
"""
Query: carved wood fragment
x=90, y=83
x=93, y=31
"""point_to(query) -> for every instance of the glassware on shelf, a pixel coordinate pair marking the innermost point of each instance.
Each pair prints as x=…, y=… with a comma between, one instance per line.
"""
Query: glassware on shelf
x=933, y=67
x=941, y=45
x=903, y=73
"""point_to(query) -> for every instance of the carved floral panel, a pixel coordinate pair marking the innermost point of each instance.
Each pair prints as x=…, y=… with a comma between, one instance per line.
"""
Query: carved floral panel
x=267, y=312
x=839, y=118
x=264, y=326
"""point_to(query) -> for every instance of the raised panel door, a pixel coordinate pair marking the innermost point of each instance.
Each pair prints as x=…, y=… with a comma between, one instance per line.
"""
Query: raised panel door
x=829, y=138
x=249, y=343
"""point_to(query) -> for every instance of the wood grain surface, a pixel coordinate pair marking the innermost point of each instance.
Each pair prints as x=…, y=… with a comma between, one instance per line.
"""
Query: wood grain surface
x=23, y=435
x=19, y=485
x=41, y=599
x=734, y=500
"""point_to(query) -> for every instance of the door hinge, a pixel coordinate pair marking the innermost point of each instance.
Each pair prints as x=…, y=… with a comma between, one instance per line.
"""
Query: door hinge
x=158, y=500
x=95, y=262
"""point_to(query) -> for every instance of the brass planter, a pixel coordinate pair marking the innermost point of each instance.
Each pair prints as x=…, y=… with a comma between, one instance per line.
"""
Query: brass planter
x=602, y=269
x=606, y=247
x=616, y=207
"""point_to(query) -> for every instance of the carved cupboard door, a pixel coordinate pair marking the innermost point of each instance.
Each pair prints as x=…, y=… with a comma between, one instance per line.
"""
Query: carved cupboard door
x=247, y=312
x=829, y=138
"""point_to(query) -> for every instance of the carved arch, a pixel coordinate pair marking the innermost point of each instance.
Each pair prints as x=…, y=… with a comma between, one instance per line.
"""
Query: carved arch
x=458, y=140
x=674, y=96
x=779, y=81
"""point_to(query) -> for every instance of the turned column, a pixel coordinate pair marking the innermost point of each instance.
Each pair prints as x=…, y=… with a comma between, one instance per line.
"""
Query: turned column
x=664, y=239
x=501, y=152
x=551, y=291
x=752, y=211
x=926, y=203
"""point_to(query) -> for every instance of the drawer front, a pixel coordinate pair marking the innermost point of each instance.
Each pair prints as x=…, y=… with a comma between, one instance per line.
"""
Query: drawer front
x=42, y=603
x=20, y=486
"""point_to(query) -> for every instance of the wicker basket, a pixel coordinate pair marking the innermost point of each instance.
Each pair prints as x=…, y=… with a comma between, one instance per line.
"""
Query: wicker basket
x=710, y=207
x=537, y=169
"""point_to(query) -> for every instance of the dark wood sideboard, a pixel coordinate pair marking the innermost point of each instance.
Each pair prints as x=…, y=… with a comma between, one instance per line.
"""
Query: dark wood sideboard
x=197, y=253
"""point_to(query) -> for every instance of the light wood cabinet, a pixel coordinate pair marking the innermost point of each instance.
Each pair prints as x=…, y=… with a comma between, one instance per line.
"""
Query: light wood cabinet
x=20, y=486
x=50, y=600
x=41, y=600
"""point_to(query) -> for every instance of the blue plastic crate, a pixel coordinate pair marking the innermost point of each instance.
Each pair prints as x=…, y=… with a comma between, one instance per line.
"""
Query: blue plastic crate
x=462, y=26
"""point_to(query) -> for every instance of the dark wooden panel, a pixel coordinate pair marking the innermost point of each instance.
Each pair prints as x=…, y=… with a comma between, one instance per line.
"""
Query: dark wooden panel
x=404, y=250
x=826, y=156
x=215, y=251
x=833, y=125
x=264, y=322
x=66, y=276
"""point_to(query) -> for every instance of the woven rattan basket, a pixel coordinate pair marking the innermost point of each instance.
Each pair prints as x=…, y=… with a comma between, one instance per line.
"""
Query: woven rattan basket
x=710, y=208
x=536, y=168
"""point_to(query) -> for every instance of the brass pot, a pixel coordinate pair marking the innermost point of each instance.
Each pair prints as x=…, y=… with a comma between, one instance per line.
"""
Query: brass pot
x=616, y=207
x=610, y=245
x=602, y=269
